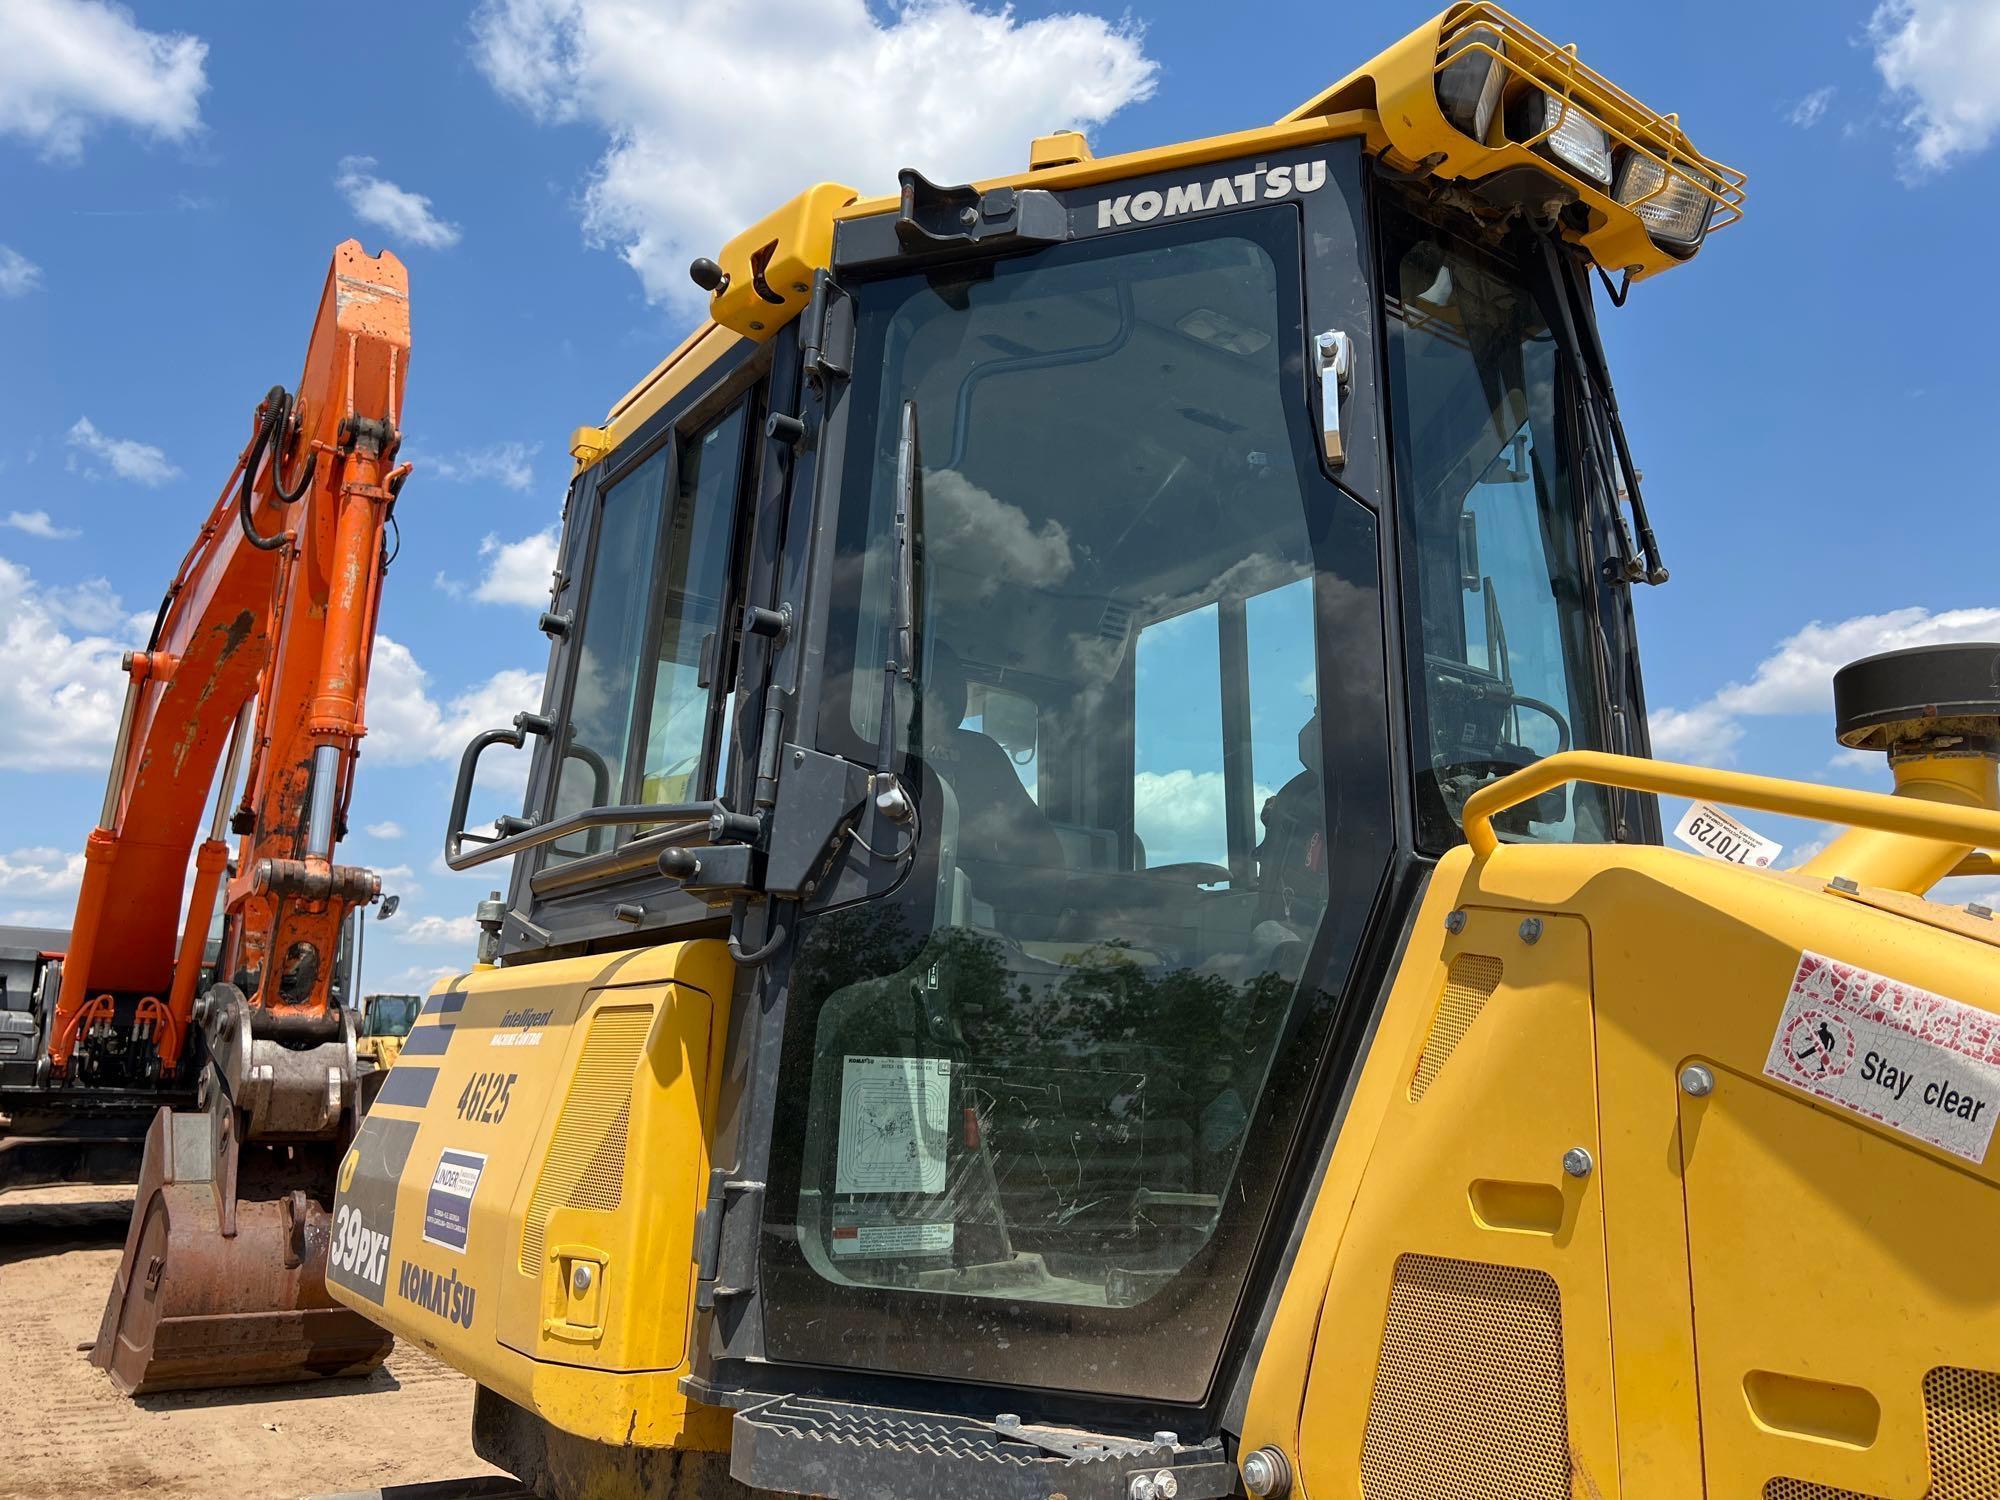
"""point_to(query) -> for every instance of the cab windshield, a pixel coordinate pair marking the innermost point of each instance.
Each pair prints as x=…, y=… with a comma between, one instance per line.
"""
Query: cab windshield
x=1502, y=620
x=1029, y=1081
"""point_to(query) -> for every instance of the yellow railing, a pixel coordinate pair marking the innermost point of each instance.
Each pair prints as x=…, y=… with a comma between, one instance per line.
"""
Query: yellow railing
x=1533, y=58
x=1942, y=822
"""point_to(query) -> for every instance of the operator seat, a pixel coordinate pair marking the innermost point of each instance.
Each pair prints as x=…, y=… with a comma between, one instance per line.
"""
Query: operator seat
x=1291, y=859
x=1007, y=848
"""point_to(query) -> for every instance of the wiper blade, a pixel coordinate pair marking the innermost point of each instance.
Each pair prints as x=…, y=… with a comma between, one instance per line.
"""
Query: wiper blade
x=899, y=663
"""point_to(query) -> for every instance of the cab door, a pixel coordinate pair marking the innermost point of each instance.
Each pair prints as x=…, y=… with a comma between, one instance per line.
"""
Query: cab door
x=641, y=704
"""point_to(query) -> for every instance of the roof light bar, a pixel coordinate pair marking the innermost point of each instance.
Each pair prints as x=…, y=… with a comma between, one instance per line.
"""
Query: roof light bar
x=1556, y=128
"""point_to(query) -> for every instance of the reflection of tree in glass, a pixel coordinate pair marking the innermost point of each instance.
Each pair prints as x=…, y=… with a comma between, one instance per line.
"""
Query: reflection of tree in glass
x=1099, y=1103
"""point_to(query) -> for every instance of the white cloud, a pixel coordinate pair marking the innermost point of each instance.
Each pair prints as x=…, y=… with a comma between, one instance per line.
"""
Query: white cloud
x=508, y=464
x=37, y=523
x=141, y=463
x=1180, y=815
x=1797, y=678
x=1705, y=735
x=388, y=828
x=441, y=930
x=1808, y=111
x=41, y=872
x=834, y=90
x=406, y=726
x=18, y=275
x=519, y=572
x=1941, y=60
x=993, y=542
x=416, y=980
x=66, y=65
x=404, y=214
x=59, y=693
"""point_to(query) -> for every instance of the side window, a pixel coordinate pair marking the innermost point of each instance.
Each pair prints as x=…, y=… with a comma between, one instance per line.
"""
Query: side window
x=609, y=651
x=692, y=582
x=638, y=716
x=1178, y=791
x=1224, y=708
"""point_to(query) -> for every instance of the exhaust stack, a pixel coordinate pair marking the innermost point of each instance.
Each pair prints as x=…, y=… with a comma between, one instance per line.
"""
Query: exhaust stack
x=1935, y=711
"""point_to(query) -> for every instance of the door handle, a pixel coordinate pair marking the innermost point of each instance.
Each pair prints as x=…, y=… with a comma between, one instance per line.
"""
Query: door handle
x=1333, y=352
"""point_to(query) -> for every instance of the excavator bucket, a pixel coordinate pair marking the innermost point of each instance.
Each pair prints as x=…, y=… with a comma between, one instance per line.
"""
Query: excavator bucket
x=196, y=1307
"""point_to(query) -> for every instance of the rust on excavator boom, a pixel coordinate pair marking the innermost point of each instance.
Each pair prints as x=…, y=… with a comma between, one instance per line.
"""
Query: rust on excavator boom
x=258, y=663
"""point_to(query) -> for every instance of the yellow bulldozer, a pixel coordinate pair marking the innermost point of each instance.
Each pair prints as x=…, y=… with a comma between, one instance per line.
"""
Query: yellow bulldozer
x=1091, y=919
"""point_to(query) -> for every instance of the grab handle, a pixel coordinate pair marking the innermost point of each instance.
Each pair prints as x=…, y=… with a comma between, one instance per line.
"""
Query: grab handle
x=1943, y=822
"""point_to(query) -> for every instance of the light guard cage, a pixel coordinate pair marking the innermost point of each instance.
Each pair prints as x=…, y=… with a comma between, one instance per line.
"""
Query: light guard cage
x=1402, y=87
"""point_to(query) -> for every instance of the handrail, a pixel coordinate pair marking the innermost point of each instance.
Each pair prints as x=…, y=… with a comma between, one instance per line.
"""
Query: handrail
x=1979, y=862
x=1943, y=822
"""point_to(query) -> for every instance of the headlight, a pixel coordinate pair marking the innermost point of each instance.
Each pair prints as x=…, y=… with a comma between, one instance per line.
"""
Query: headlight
x=1675, y=210
x=1468, y=85
x=1563, y=132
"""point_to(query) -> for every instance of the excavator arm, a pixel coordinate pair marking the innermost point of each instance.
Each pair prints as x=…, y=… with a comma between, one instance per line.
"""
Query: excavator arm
x=256, y=667
x=262, y=643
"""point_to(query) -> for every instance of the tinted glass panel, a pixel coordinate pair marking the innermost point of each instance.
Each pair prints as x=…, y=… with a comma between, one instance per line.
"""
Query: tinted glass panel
x=610, y=653
x=1494, y=537
x=695, y=572
x=1021, y=1095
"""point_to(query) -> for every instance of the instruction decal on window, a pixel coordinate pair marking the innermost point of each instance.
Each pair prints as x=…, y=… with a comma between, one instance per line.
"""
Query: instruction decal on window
x=866, y=1231
x=892, y=1125
x=1919, y=1063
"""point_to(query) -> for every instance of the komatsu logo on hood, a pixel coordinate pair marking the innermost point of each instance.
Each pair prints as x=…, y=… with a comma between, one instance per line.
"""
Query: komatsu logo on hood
x=1259, y=183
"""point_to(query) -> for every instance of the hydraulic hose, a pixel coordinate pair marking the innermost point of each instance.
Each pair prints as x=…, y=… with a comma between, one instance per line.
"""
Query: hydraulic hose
x=276, y=411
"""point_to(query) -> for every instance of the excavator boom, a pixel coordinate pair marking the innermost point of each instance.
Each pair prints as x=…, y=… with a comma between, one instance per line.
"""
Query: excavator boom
x=257, y=664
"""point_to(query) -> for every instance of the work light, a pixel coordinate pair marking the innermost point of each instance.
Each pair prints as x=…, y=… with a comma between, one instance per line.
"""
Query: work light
x=1675, y=209
x=1562, y=132
x=1468, y=85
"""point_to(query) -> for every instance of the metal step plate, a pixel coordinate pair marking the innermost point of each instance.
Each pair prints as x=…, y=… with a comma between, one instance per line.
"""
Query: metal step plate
x=804, y=1445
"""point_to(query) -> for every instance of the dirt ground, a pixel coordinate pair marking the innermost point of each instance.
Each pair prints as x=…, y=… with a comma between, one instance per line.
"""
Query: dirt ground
x=73, y=1434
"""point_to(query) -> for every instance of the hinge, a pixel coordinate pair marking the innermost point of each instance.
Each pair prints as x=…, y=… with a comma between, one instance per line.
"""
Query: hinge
x=726, y=1239
x=826, y=334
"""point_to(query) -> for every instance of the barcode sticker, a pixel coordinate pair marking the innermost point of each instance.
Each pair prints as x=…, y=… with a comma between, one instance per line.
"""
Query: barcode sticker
x=1707, y=829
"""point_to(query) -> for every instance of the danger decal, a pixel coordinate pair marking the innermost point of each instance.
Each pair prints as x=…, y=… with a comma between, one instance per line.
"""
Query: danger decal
x=1920, y=1063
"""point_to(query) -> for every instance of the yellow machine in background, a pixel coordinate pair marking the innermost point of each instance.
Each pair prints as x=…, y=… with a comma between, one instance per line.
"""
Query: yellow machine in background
x=385, y=1021
x=1161, y=979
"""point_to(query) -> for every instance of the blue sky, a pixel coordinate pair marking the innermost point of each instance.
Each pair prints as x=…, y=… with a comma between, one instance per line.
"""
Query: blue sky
x=1808, y=400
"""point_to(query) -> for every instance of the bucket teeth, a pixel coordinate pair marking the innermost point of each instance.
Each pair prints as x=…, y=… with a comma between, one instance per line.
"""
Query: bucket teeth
x=195, y=1309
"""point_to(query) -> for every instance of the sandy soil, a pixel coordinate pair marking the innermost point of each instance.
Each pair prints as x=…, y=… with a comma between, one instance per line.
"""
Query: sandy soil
x=73, y=1434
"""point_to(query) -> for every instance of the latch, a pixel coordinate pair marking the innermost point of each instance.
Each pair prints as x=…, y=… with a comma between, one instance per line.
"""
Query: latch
x=1333, y=353
x=576, y=1294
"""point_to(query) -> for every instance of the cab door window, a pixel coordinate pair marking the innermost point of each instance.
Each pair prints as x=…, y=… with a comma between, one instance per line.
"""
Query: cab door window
x=1036, y=1088
x=639, y=717
x=690, y=642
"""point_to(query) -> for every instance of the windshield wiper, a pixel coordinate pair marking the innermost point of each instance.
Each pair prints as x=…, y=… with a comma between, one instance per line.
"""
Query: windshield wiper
x=899, y=663
x=1605, y=450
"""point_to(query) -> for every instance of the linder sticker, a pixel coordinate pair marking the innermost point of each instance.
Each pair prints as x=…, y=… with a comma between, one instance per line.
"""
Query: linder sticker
x=1919, y=1063
x=448, y=1207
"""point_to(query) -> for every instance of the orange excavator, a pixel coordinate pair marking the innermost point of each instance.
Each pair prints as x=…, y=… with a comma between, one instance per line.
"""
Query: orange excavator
x=239, y=1048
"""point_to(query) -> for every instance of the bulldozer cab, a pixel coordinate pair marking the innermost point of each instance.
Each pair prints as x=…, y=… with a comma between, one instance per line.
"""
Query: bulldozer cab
x=389, y=1015
x=1049, y=631
x=1057, y=673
